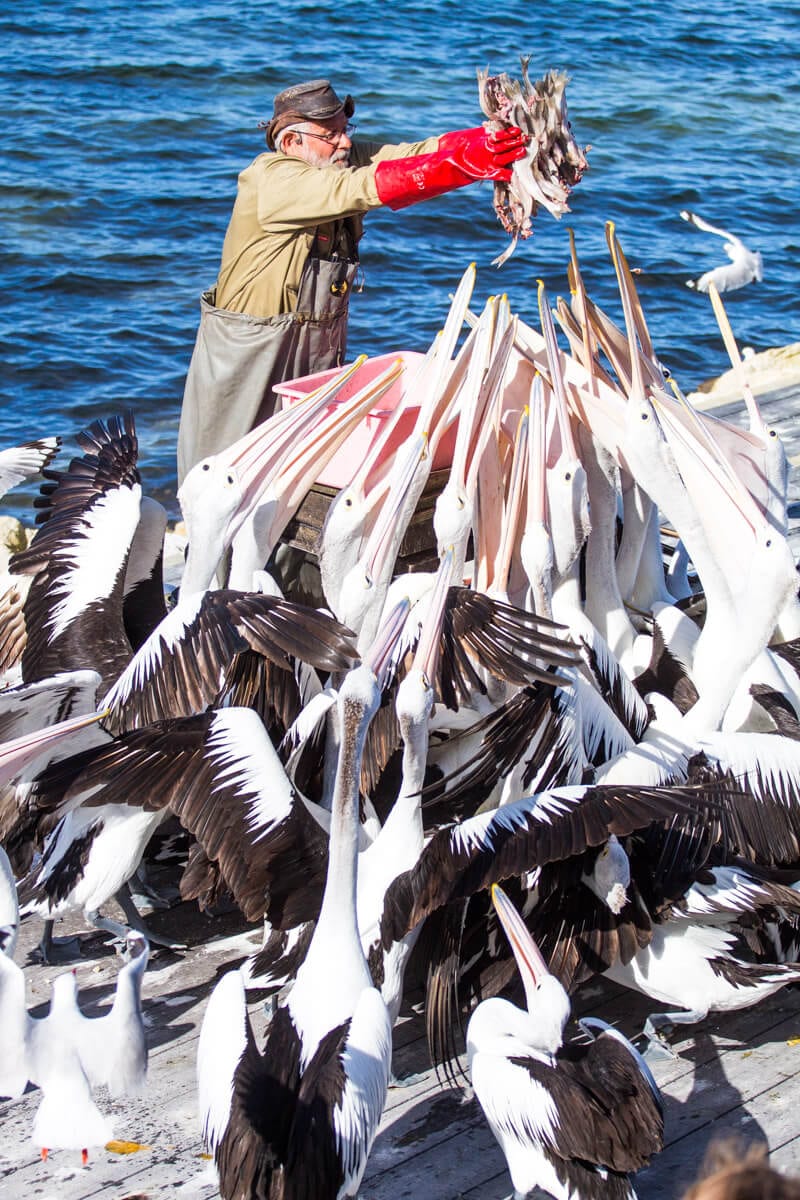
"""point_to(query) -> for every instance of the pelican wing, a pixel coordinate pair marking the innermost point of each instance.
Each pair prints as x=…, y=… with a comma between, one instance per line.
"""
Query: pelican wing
x=347, y=1079
x=109, y=463
x=762, y=811
x=19, y=463
x=220, y=775
x=578, y=934
x=611, y=1116
x=182, y=666
x=225, y=1038
x=614, y=686
x=247, y=1099
x=521, y=727
x=513, y=644
x=460, y=860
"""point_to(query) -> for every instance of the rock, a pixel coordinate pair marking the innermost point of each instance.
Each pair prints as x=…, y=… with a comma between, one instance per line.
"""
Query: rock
x=13, y=537
x=175, y=543
x=769, y=371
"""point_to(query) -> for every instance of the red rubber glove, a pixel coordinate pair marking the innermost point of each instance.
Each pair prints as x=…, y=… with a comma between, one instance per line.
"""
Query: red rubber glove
x=462, y=157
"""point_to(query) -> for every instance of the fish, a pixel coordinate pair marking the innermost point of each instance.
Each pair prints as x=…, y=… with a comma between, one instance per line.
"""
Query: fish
x=554, y=162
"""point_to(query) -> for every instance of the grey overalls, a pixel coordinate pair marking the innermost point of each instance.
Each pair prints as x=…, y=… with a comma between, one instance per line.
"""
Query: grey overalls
x=238, y=359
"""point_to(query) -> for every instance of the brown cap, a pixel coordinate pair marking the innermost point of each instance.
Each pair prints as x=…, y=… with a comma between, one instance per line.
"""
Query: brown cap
x=312, y=101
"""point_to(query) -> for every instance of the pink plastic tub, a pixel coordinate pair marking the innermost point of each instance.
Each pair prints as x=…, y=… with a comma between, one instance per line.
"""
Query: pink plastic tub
x=351, y=454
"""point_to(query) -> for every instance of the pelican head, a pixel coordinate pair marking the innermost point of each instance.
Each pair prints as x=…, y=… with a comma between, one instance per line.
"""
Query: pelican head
x=547, y=1002
x=610, y=877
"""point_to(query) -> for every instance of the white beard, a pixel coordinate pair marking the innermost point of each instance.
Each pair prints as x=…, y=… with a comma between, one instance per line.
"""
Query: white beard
x=339, y=160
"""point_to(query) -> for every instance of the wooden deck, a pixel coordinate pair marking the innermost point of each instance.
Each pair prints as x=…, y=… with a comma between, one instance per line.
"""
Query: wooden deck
x=736, y=1074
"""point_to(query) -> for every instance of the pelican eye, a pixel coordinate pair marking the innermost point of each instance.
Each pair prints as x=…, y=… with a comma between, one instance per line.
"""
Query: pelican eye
x=644, y=416
x=206, y=466
x=568, y=475
x=348, y=503
x=231, y=479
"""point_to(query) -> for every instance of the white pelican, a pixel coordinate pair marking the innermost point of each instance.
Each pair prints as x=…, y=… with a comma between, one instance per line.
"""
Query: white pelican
x=353, y=510
x=745, y=265
x=300, y=1116
x=576, y=1121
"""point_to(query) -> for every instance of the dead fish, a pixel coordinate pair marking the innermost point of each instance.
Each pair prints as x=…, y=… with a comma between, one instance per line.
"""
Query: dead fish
x=554, y=162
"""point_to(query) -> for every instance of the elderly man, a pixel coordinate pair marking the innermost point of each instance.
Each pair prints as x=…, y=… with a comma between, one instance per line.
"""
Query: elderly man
x=290, y=255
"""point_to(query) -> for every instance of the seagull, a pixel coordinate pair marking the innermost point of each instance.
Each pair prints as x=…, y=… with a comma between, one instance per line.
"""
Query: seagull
x=67, y=1054
x=744, y=267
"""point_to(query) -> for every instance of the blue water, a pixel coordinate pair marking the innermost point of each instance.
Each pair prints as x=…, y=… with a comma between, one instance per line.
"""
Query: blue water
x=125, y=126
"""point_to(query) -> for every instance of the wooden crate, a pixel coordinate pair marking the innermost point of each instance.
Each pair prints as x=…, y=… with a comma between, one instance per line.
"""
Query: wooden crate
x=418, y=548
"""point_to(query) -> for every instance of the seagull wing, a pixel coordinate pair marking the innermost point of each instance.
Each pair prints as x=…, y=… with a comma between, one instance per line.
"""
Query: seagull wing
x=14, y=1027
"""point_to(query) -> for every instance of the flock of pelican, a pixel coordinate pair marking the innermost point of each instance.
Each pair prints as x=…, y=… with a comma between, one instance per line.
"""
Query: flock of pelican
x=570, y=704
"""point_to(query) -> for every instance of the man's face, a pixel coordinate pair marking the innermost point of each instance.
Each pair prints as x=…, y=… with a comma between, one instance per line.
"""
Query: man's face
x=323, y=143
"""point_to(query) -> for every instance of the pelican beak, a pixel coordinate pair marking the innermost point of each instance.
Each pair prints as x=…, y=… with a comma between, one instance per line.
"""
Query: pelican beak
x=427, y=654
x=16, y=754
x=290, y=454
x=382, y=541
x=517, y=484
x=530, y=962
x=556, y=373
x=380, y=653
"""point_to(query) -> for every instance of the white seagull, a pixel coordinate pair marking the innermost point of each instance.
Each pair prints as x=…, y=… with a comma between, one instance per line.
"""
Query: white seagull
x=744, y=267
x=68, y=1054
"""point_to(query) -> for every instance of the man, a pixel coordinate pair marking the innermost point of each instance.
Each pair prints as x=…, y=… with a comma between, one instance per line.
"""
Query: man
x=290, y=255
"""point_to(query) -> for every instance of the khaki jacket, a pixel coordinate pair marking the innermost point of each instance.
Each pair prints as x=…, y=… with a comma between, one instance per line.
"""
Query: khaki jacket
x=282, y=205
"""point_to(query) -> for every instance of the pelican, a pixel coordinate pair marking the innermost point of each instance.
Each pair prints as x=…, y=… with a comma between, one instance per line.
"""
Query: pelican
x=73, y=610
x=745, y=265
x=354, y=509
x=574, y=1121
x=300, y=1116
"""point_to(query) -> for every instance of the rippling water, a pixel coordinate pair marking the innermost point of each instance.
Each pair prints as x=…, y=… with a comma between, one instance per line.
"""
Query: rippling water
x=125, y=126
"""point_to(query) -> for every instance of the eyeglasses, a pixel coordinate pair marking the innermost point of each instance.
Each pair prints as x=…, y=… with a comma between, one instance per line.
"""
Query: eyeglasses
x=334, y=134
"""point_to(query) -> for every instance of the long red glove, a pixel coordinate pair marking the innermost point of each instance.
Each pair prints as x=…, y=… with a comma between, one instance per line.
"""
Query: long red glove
x=462, y=157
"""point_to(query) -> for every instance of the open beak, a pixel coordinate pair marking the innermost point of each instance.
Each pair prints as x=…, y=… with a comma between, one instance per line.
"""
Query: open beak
x=289, y=459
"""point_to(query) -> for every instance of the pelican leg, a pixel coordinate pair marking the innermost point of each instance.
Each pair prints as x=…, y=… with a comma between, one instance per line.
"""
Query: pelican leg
x=134, y=921
x=144, y=895
x=57, y=950
x=405, y=1081
x=658, y=1025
